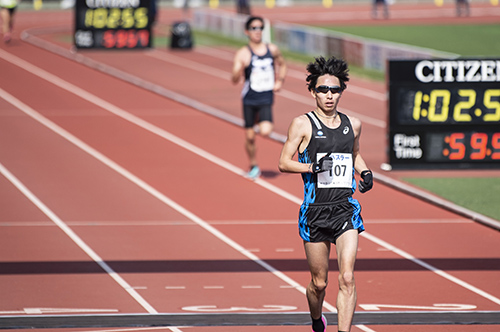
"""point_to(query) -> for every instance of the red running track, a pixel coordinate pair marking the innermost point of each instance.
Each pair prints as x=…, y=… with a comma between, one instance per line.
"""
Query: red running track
x=118, y=200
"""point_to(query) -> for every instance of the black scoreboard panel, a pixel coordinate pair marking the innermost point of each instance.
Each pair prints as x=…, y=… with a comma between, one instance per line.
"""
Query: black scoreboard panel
x=112, y=24
x=444, y=113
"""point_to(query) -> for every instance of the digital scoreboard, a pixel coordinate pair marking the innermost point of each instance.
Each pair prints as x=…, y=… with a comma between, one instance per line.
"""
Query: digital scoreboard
x=112, y=24
x=444, y=113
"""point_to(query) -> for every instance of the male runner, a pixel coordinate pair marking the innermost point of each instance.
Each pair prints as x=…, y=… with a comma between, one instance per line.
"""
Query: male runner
x=7, y=11
x=328, y=145
x=257, y=63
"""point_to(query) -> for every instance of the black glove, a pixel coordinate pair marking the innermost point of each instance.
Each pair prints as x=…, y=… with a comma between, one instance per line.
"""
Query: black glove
x=323, y=165
x=367, y=181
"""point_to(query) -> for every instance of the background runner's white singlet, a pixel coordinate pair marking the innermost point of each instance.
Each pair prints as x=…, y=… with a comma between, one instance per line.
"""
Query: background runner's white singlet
x=259, y=80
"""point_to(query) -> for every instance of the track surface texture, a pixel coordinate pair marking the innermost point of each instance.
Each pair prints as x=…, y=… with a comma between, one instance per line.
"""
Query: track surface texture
x=124, y=204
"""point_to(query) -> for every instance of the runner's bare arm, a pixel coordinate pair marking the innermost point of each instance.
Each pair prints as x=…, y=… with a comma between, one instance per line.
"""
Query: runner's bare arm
x=297, y=139
x=238, y=65
x=359, y=162
x=281, y=67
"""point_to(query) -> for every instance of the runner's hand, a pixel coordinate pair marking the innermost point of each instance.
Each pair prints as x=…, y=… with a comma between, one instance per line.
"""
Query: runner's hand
x=323, y=165
x=367, y=181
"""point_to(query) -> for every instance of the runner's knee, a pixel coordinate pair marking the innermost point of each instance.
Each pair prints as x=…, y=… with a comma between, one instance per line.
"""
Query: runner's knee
x=346, y=281
x=266, y=128
x=250, y=135
x=319, y=285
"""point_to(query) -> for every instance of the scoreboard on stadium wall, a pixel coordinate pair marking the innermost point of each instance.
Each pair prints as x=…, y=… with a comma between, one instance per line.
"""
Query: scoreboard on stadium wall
x=112, y=24
x=444, y=113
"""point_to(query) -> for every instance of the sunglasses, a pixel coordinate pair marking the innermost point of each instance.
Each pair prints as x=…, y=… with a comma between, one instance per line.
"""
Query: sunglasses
x=256, y=28
x=325, y=88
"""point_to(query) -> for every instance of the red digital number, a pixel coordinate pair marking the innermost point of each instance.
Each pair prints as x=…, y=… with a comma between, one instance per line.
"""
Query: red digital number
x=125, y=38
x=143, y=36
x=108, y=39
x=495, y=143
x=121, y=38
x=132, y=39
x=457, y=146
x=479, y=144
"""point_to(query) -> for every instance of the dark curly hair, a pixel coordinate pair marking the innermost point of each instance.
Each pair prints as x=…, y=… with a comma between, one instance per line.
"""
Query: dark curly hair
x=251, y=19
x=332, y=66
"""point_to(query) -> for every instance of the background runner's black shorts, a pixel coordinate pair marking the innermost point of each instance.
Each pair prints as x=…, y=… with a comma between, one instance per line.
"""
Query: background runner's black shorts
x=253, y=114
x=11, y=10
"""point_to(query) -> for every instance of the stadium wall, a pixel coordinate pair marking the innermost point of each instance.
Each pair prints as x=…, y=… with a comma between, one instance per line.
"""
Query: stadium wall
x=362, y=52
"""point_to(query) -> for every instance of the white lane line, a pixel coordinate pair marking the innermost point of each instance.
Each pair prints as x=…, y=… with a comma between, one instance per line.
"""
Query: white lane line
x=95, y=223
x=286, y=286
x=146, y=125
x=194, y=104
x=284, y=250
x=421, y=221
x=52, y=216
x=193, y=65
x=431, y=268
x=134, y=179
x=136, y=329
x=54, y=311
x=175, y=287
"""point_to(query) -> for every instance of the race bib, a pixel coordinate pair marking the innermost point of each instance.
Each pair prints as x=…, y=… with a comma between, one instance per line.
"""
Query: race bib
x=262, y=76
x=262, y=80
x=340, y=176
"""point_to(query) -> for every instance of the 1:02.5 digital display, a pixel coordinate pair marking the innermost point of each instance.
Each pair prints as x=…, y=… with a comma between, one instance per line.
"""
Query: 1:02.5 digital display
x=444, y=113
x=440, y=106
x=111, y=24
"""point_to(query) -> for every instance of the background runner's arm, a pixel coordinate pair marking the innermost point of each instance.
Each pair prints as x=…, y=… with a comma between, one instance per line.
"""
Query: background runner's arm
x=281, y=67
x=238, y=67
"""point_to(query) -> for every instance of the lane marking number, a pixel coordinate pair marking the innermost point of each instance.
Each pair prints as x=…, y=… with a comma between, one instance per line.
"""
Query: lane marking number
x=213, y=308
x=39, y=311
x=436, y=306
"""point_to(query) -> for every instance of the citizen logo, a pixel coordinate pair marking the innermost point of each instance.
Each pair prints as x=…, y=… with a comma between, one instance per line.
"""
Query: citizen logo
x=428, y=71
x=113, y=3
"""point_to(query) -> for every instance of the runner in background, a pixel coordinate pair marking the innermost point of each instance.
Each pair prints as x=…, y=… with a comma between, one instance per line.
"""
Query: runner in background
x=385, y=7
x=462, y=6
x=327, y=143
x=243, y=7
x=7, y=11
x=263, y=68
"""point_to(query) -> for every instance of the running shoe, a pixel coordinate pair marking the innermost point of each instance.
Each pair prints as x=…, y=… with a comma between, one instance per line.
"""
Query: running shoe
x=323, y=318
x=7, y=37
x=253, y=173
